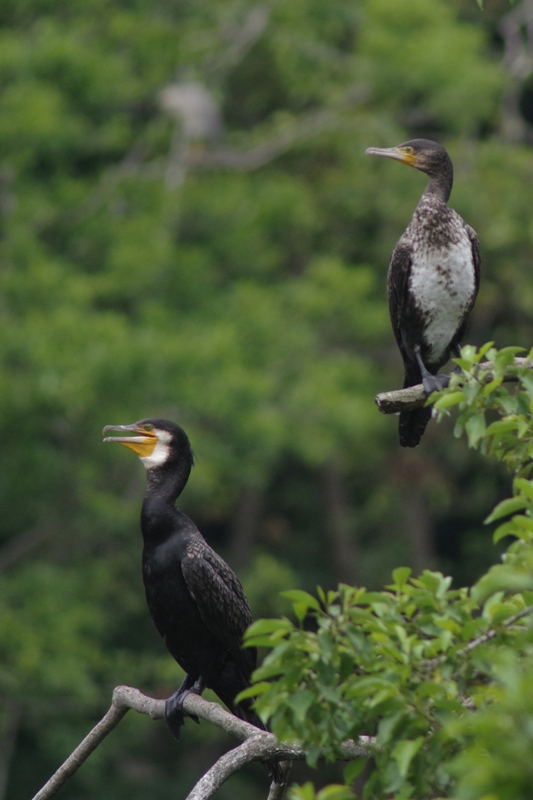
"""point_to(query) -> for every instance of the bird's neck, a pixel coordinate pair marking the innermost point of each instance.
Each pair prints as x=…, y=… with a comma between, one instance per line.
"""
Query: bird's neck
x=440, y=184
x=160, y=517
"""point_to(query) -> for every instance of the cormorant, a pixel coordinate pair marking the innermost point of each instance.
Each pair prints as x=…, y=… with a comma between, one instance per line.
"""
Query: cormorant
x=195, y=599
x=433, y=279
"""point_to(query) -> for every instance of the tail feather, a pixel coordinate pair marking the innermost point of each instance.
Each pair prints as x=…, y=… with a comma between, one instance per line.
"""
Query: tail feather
x=412, y=425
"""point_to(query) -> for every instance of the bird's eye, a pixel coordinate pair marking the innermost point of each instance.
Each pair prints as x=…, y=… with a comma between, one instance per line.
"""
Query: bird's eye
x=148, y=427
x=408, y=150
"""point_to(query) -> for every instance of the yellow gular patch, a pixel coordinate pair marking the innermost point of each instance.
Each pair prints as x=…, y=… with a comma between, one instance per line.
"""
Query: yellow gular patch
x=143, y=446
x=408, y=158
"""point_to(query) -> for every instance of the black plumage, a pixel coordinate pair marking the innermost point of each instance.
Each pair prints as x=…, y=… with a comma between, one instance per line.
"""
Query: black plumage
x=195, y=600
x=433, y=279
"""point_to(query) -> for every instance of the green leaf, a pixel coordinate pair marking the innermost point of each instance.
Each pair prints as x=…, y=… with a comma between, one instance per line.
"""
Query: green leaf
x=475, y=428
x=353, y=769
x=301, y=597
x=527, y=382
x=507, y=529
x=305, y=792
x=502, y=426
x=401, y=575
x=253, y=691
x=404, y=752
x=449, y=400
x=265, y=626
x=508, y=506
x=336, y=791
x=482, y=350
x=300, y=702
x=524, y=486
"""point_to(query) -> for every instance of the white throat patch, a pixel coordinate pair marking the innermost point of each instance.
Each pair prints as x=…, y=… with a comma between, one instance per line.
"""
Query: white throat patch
x=160, y=452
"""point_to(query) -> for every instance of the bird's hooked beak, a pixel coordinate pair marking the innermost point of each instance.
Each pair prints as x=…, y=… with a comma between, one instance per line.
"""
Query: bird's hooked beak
x=404, y=154
x=143, y=444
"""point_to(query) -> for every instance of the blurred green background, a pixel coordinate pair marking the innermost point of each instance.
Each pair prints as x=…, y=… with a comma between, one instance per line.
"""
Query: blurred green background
x=189, y=228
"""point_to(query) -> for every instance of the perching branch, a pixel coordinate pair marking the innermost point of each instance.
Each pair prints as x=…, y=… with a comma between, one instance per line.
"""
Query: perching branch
x=257, y=745
x=415, y=396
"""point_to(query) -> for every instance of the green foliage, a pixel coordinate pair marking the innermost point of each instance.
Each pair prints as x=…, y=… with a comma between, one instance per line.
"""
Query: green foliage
x=441, y=677
x=392, y=664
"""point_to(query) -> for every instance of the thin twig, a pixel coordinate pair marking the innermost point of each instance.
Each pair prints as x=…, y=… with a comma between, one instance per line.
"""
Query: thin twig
x=415, y=396
x=493, y=632
x=306, y=126
x=484, y=637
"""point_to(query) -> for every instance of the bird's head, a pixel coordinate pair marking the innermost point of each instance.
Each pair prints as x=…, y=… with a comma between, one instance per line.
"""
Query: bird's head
x=157, y=442
x=422, y=154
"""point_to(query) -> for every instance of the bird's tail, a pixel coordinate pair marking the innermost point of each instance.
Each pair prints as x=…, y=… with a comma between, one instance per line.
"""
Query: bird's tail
x=413, y=423
x=273, y=768
x=412, y=426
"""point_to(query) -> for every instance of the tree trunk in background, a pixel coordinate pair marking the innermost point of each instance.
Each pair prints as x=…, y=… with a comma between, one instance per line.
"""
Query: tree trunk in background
x=419, y=529
x=245, y=525
x=413, y=474
x=8, y=738
x=340, y=526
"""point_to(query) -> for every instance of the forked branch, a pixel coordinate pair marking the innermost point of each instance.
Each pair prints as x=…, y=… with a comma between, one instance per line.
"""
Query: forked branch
x=257, y=745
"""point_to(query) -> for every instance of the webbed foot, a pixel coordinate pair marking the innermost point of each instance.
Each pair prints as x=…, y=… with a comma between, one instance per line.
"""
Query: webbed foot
x=431, y=383
x=174, y=712
x=434, y=383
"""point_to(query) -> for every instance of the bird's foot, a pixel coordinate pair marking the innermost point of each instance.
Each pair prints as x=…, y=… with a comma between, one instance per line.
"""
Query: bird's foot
x=174, y=712
x=434, y=383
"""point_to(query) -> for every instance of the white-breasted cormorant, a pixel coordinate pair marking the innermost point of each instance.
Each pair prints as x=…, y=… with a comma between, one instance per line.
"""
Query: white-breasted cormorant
x=433, y=279
x=195, y=599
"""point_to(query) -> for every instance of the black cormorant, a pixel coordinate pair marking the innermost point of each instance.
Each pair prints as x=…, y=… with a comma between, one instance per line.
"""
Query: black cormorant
x=195, y=600
x=433, y=279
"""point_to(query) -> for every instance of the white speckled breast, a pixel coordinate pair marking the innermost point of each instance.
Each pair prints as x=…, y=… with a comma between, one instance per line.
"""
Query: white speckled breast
x=442, y=281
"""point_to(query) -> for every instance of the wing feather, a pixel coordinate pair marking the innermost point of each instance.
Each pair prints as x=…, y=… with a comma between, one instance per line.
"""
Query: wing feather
x=221, y=601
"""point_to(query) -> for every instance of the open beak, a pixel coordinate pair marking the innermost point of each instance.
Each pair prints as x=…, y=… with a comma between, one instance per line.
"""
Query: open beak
x=143, y=444
x=392, y=152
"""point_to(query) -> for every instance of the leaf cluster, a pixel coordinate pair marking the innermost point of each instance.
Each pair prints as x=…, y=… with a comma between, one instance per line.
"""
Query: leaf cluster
x=439, y=676
x=392, y=664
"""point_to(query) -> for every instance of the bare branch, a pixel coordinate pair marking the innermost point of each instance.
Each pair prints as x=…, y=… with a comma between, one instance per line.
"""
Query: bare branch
x=415, y=396
x=81, y=753
x=240, y=39
x=493, y=632
x=277, y=790
x=401, y=399
x=258, y=745
x=306, y=126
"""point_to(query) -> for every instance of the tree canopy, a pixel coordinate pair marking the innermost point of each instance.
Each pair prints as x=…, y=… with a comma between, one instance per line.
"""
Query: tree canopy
x=189, y=228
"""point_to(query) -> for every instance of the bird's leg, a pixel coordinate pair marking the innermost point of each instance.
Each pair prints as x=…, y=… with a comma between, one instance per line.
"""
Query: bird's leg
x=431, y=383
x=174, y=713
x=456, y=350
